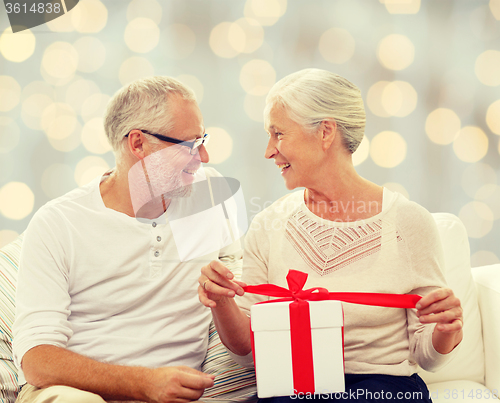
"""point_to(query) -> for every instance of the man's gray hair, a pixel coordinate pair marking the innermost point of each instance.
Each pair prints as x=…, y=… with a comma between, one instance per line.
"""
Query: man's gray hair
x=312, y=95
x=142, y=104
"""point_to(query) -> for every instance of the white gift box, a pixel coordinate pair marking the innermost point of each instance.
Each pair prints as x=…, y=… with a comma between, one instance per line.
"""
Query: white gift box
x=273, y=348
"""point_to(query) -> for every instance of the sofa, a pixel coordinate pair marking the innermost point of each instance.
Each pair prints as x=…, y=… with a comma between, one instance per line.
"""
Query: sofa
x=473, y=374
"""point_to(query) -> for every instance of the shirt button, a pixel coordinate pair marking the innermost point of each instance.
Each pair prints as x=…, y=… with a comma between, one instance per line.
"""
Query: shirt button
x=157, y=253
x=158, y=238
x=154, y=224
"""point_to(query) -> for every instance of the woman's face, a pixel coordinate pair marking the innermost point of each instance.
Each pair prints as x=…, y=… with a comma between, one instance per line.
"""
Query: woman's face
x=295, y=152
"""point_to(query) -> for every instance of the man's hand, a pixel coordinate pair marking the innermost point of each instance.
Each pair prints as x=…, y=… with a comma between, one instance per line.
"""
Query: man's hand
x=177, y=384
x=217, y=283
x=441, y=306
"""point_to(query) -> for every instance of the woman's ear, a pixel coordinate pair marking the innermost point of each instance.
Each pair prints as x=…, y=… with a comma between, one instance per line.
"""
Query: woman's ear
x=136, y=143
x=328, y=131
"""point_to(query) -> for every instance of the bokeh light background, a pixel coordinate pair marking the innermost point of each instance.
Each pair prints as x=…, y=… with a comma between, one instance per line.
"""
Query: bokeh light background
x=429, y=72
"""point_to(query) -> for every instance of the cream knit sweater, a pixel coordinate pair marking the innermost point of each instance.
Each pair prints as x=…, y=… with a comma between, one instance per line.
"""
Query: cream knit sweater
x=396, y=251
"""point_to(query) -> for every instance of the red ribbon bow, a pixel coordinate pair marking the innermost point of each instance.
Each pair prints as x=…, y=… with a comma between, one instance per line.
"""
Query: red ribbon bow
x=300, y=321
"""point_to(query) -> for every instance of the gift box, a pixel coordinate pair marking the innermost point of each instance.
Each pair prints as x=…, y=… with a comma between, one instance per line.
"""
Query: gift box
x=298, y=340
x=314, y=365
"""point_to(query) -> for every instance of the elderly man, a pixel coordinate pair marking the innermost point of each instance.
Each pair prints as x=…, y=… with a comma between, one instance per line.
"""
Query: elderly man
x=106, y=309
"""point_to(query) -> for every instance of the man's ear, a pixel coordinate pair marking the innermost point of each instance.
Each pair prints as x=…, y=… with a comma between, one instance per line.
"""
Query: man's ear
x=136, y=143
x=328, y=132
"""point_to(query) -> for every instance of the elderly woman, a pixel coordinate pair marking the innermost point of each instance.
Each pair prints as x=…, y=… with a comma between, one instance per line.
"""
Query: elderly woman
x=348, y=234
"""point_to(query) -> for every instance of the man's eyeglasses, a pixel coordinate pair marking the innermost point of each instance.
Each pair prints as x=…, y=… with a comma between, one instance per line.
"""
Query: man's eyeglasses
x=192, y=145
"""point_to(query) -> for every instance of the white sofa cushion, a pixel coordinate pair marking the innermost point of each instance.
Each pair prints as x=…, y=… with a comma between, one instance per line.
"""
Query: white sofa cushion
x=487, y=280
x=9, y=258
x=468, y=364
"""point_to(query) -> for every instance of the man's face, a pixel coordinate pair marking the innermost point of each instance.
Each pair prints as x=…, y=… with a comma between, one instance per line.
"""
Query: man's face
x=169, y=169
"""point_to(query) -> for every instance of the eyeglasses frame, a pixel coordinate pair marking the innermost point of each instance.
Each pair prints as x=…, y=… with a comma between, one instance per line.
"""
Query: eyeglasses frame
x=192, y=145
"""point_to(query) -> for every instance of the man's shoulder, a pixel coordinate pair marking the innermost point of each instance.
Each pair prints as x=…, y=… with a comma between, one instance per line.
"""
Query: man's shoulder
x=72, y=200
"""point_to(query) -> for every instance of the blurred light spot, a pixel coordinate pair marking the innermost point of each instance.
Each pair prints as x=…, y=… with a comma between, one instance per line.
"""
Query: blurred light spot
x=134, y=68
x=266, y=12
x=402, y=6
x=337, y=45
x=10, y=93
x=220, y=146
x=193, y=83
x=16, y=200
x=471, y=144
x=488, y=68
x=89, y=17
x=257, y=77
x=78, y=91
x=142, y=35
x=57, y=180
x=483, y=258
x=60, y=60
x=396, y=52
x=17, y=47
x=374, y=99
x=7, y=236
x=486, y=191
x=442, y=126
x=94, y=138
x=490, y=195
x=91, y=54
x=64, y=23
x=225, y=39
x=483, y=24
x=477, y=218
x=254, y=107
x=89, y=168
x=144, y=8
x=476, y=176
x=94, y=106
x=33, y=108
x=397, y=187
x=362, y=153
x=493, y=117
x=68, y=143
x=38, y=87
x=179, y=41
x=495, y=8
x=9, y=134
x=254, y=35
x=58, y=120
x=388, y=149
x=399, y=98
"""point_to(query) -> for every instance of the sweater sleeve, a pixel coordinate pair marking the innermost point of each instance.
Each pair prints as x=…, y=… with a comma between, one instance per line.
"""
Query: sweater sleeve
x=42, y=296
x=425, y=253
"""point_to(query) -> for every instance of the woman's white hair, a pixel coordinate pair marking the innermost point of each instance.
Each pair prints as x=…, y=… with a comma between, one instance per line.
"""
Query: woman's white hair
x=142, y=105
x=311, y=96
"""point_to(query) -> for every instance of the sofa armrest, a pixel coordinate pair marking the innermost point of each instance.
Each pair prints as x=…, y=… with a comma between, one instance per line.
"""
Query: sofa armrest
x=487, y=279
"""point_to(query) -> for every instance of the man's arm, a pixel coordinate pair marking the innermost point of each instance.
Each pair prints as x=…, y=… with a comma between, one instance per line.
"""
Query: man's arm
x=47, y=365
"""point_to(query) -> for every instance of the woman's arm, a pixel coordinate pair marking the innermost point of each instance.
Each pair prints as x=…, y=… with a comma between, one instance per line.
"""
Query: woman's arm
x=217, y=290
x=441, y=306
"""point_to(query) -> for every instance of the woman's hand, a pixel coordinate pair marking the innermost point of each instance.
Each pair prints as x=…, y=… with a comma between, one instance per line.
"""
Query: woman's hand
x=217, y=283
x=441, y=306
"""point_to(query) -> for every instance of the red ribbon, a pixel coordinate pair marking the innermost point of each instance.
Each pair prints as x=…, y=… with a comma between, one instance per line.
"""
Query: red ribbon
x=300, y=321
